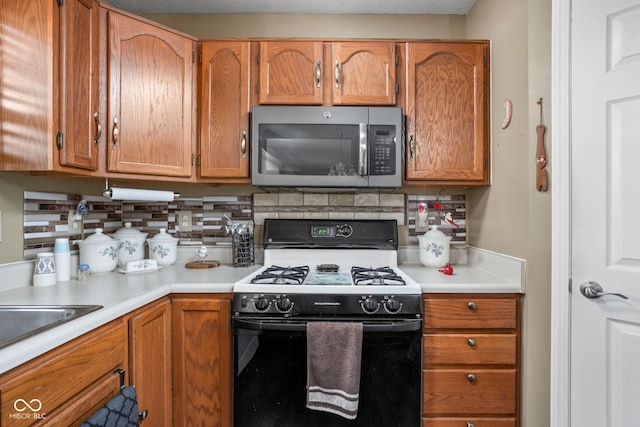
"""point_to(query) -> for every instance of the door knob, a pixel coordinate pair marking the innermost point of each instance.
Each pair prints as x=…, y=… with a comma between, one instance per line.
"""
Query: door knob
x=593, y=290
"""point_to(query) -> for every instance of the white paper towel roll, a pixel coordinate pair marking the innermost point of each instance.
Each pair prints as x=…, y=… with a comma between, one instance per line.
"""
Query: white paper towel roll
x=143, y=195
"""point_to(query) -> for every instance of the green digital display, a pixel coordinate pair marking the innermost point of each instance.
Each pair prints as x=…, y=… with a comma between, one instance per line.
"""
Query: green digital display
x=323, y=231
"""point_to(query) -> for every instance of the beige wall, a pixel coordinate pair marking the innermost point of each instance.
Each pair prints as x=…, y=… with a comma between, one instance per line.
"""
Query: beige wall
x=521, y=65
x=520, y=35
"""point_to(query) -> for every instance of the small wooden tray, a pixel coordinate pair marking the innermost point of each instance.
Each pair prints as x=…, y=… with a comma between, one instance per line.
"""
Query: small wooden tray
x=202, y=264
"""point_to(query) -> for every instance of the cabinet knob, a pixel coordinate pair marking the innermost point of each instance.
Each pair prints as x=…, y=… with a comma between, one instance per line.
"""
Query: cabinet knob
x=318, y=73
x=143, y=415
x=471, y=378
x=472, y=305
x=116, y=134
x=471, y=342
x=98, y=130
x=243, y=144
x=471, y=425
x=412, y=146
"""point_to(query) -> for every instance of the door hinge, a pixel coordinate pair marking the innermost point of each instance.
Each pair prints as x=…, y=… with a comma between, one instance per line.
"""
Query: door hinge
x=258, y=87
x=258, y=58
x=199, y=160
x=397, y=88
x=397, y=59
x=200, y=58
x=193, y=159
x=60, y=140
x=60, y=2
x=570, y=285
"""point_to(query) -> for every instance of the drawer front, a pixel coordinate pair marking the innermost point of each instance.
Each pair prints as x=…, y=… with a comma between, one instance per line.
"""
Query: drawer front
x=487, y=349
x=470, y=313
x=63, y=373
x=472, y=391
x=469, y=422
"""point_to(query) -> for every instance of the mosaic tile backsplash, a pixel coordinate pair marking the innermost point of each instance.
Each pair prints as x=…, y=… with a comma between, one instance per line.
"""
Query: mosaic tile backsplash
x=46, y=215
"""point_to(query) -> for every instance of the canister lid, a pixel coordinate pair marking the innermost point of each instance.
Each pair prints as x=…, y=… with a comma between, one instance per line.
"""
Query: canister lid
x=128, y=230
x=162, y=236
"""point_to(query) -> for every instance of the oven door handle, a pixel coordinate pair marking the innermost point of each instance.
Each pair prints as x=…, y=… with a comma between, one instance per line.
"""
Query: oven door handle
x=406, y=325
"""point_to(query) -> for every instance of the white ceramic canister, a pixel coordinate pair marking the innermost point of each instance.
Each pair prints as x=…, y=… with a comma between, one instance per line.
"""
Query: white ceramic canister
x=434, y=248
x=62, y=257
x=163, y=248
x=132, y=244
x=99, y=252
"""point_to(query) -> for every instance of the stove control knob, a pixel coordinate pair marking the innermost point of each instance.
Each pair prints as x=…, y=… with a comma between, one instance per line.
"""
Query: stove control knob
x=284, y=304
x=261, y=304
x=345, y=230
x=370, y=305
x=393, y=305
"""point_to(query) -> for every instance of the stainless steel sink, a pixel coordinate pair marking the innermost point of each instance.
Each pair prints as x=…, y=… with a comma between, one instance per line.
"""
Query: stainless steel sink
x=18, y=322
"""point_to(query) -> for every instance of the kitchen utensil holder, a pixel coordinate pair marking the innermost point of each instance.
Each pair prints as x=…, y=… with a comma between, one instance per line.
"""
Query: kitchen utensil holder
x=242, y=248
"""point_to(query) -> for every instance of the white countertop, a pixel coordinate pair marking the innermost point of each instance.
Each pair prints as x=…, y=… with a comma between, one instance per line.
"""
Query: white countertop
x=119, y=294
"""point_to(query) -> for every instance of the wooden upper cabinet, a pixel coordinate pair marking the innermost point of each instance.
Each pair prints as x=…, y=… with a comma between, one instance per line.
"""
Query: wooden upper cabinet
x=290, y=72
x=49, y=85
x=364, y=73
x=151, y=119
x=80, y=127
x=224, y=111
x=446, y=107
x=331, y=73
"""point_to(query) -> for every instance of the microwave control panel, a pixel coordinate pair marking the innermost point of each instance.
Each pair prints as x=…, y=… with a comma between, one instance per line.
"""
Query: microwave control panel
x=382, y=157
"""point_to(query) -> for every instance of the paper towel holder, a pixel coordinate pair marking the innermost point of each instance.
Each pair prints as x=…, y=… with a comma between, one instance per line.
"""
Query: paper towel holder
x=108, y=191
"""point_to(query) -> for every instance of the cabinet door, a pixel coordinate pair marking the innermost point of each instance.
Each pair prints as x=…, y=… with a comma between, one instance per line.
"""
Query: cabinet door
x=290, y=72
x=151, y=76
x=150, y=361
x=363, y=73
x=80, y=129
x=224, y=110
x=447, y=113
x=202, y=364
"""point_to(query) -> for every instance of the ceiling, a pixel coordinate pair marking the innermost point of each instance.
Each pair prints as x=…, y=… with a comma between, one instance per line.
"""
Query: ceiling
x=438, y=7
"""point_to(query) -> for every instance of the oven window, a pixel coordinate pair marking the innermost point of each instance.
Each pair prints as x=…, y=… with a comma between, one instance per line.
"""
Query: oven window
x=316, y=150
x=270, y=390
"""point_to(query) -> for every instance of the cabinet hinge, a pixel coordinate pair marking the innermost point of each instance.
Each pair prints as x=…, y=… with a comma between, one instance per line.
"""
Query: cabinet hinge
x=199, y=160
x=193, y=159
x=397, y=88
x=484, y=60
x=200, y=58
x=258, y=58
x=60, y=140
x=397, y=59
x=60, y=2
x=484, y=162
x=258, y=87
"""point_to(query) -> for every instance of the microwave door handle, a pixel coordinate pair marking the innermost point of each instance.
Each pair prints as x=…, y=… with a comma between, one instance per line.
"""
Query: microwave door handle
x=362, y=168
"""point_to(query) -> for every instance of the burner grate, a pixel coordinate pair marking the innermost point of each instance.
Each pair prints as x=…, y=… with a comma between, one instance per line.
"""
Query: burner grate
x=382, y=276
x=282, y=275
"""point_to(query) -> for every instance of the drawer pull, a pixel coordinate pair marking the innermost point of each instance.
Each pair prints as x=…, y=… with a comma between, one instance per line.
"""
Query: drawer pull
x=471, y=342
x=471, y=378
x=472, y=305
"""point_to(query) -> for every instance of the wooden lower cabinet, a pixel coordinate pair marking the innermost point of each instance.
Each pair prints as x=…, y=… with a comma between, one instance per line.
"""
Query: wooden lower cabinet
x=202, y=364
x=65, y=386
x=471, y=360
x=150, y=361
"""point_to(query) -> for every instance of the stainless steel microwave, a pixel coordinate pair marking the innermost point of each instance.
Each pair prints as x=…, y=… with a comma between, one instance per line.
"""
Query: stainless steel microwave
x=350, y=147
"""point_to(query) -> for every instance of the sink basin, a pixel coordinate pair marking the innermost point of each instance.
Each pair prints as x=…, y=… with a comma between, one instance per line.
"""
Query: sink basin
x=18, y=322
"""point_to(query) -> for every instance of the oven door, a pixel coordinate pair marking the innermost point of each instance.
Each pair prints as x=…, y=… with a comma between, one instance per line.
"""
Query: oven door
x=270, y=374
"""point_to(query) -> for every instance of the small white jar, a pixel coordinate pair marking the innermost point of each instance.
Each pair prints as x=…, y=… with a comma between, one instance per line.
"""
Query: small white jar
x=163, y=248
x=434, y=248
x=132, y=244
x=99, y=251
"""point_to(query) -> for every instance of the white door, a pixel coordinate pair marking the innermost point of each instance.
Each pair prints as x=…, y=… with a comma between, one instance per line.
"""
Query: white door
x=605, y=206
